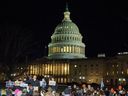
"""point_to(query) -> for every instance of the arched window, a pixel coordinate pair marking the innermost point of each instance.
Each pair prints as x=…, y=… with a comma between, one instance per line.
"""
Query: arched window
x=59, y=37
x=70, y=38
x=73, y=38
x=67, y=37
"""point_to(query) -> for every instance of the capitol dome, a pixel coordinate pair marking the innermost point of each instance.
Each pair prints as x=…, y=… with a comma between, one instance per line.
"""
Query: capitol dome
x=66, y=41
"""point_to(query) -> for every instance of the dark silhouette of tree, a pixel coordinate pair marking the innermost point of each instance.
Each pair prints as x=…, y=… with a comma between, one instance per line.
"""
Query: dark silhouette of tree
x=15, y=44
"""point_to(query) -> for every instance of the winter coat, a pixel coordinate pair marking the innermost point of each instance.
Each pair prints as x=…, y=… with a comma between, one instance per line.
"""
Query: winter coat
x=107, y=93
x=67, y=91
x=33, y=83
x=54, y=88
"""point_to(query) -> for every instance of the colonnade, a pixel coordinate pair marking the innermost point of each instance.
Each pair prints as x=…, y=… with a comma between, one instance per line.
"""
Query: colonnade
x=66, y=49
x=66, y=38
x=51, y=69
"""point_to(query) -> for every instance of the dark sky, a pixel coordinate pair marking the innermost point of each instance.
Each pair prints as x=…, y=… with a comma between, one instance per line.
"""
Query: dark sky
x=101, y=23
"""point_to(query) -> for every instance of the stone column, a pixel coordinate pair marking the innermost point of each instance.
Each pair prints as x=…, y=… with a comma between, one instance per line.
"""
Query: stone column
x=56, y=49
x=76, y=49
x=72, y=49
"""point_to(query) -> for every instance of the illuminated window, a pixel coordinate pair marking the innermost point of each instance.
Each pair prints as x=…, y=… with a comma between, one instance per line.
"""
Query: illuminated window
x=64, y=49
x=117, y=65
x=57, y=49
x=107, y=72
x=79, y=72
x=21, y=68
x=2, y=73
x=122, y=72
x=54, y=49
x=61, y=49
x=70, y=49
x=73, y=49
x=75, y=65
x=77, y=49
x=112, y=65
x=127, y=71
x=112, y=72
x=67, y=49
x=117, y=72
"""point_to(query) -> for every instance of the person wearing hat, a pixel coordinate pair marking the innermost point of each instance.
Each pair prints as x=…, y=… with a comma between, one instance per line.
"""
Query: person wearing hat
x=3, y=93
x=120, y=90
x=67, y=91
x=111, y=92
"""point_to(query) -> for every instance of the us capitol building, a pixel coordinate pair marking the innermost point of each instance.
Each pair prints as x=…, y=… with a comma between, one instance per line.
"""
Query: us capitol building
x=67, y=62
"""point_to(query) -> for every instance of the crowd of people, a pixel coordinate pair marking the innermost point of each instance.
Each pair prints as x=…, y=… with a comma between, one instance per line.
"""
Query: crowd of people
x=50, y=90
x=90, y=91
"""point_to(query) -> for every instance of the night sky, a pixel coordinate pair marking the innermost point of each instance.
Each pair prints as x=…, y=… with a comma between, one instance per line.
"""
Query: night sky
x=102, y=23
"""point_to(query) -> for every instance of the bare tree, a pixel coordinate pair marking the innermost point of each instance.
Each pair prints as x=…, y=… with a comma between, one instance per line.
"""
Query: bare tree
x=15, y=43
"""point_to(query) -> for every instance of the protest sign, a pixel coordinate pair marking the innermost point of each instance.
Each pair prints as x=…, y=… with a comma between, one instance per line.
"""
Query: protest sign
x=23, y=84
x=42, y=83
x=9, y=84
x=53, y=83
x=17, y=83
x=34, y=88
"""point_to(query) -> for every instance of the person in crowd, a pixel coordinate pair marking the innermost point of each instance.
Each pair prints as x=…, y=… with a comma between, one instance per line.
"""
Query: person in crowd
x=84, y=89
x=33, y=82
x=20, y=79
x=120, y=90
x=35, y=93
x=67, y=91
x=42, y=92
x=106, y=92
x=19, y=93
x=91, y=89
x=30, y=91
x=30, y=77
x=74, y=88
x=44, y=84
x=54, y=87
x=3, y=93
x=9, y=91
x=94, y=93
x=79, y=91
x=49, y=93
x=111, y=92
x=127, y=93
x=16, y=86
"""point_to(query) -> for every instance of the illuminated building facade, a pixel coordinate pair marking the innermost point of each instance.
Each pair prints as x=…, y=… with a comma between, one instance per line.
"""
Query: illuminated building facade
x=67, y=62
